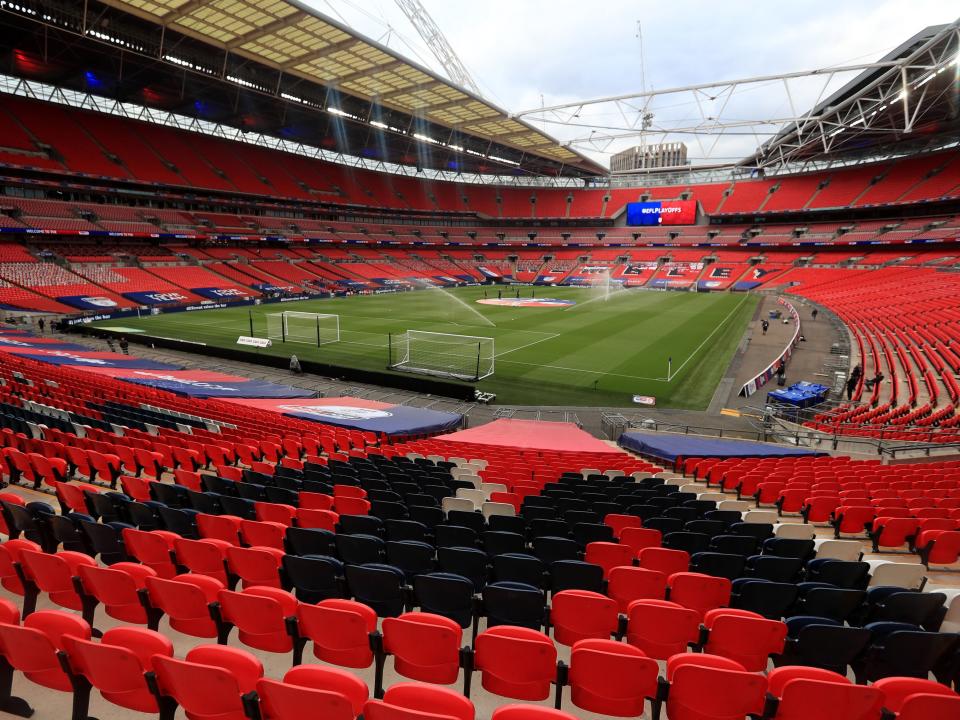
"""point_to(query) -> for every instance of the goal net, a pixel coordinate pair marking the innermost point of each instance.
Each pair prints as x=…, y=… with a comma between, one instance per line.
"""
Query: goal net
x=465, y=357
x=303, y=327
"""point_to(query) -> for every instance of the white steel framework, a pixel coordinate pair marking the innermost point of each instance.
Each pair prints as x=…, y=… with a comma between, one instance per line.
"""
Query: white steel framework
x=464, y=357
x=303, y=327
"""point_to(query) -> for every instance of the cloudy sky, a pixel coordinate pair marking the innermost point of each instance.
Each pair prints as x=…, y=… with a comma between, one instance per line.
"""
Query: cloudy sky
x=524, y=53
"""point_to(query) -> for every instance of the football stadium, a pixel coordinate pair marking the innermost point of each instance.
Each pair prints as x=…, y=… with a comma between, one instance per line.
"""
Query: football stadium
x=515, y=362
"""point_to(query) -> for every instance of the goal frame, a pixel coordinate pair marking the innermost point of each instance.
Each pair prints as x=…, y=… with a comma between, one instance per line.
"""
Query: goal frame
x=317, y=338
x=480, y=369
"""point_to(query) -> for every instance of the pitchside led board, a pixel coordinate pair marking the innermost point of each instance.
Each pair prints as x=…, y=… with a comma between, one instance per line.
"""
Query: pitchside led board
x=662, y=212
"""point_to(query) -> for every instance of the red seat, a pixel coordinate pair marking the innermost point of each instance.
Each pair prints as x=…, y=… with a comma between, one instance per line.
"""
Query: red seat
x=609, y=555
x=32, y=648
x=664, y=560
x=707, y=686
x=274, y=513
x=153, y=549
x=743, y=636
x=661, y=628
x=425, y=647
x=581, y=615
x=940, y=547
x=318, y=519
x=639, y=538
x=118, y=588
x=916, y=699
x=260, y=615
x=803, y=692
x=116, y=665
x=106, y=465
x=312, y=691
x=516, y=662
x=53, y=574
x=10, y=552
x=204, y=557
x=416, y=701
x=188, y=478
x=263, y=534
x=72, y=498
x=627, y=584
x=699, y=592
x=529, y=712
x=890, y=532
x=219, y=527
x=136, y=488
x=51, y=470
x=315, y=501
x=185, y=600
x=620, y=522
x=853, y=520
x=345, y=505
x=209, y=684
x=611, y=678
x=340, y=631
x=256, y=565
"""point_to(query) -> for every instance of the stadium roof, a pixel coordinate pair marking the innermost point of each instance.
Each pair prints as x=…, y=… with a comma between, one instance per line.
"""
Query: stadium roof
x=298, y=41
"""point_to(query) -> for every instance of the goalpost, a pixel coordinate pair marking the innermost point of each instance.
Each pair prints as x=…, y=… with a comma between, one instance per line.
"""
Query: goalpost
x=303, y=327
x=464, y=357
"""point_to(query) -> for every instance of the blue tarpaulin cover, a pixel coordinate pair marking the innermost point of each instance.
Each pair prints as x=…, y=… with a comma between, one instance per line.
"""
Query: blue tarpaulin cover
x=669, y=447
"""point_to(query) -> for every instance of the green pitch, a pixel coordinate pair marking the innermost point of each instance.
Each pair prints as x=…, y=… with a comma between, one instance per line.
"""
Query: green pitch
x=598, y=352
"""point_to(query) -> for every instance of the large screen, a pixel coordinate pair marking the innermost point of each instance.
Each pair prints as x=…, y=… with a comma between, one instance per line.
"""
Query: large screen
x=662, y=212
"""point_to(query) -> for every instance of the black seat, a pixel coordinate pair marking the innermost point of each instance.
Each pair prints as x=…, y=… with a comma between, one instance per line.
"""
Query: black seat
x=466, y=561
x=519, y=567
x=664, y=524
x=241, y=507
x=454, y=536
x=822, y=643
x=388, y=510
x=547, y=528
x=789, y=547
x=550, y=549
x=760, y=531
x=379, y=586
x=771, y=599
x=360, y=549
x=575, y=575
x=469, y=519
x=906, y=606
x=446, y=594
x=724, y=565
x=828, y=601
x=513, y=603
x=429, y=516
x=310, y=541
x=496, y=542
x=314, y=577
x=360, y=525
x=105, y=540
x=771, y=567
x=507, y=523
x=842, y=573
x=405, y=530
x=734, y=544
x=414, y=557
x=690, y=542
x=586, y=533
x=902, y=650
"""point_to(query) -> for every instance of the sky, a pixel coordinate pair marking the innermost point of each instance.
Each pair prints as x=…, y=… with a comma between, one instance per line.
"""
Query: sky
x=525, y=53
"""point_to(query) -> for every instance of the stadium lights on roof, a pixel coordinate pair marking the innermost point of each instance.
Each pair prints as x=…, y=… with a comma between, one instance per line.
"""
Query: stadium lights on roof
x=246, y=83
x=426, y=138
x=378, y=124
x=188, y=64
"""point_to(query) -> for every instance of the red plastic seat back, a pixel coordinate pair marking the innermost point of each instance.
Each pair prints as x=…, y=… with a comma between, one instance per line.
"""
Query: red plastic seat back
x=425, y=646
x=698, y=692
x=611, y=678
x=807, y=698
x=744, y=636
x=516, y=662
x=416, y=701
x=259, y=614
x=185, y=600
x=627, y=584
x=53, y=573
x=209, y=683
x=661, y=628
x=609, y=555
x=699, y=592
x=340, y=631
x=116, y=587
x=116, y=664
x=664, y=560
x=582, y=615
x=32, y=648
x=256, y=565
